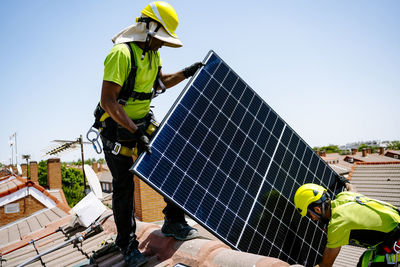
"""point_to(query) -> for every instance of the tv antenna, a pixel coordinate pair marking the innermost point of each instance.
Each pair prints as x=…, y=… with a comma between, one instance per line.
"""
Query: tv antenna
x=67, y=145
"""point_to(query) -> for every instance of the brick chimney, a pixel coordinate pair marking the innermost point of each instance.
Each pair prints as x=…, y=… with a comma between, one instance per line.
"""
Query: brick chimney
x=33, y=171
x=369, y=150
x=54, y=173
x=24, y=168
x=364, y=152
x=354, y=151
x=95, y=167
x=100, y=167
x=323, y=153
x=381, y=150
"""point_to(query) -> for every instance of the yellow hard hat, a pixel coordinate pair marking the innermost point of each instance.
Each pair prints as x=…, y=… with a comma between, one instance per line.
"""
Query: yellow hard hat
x=307, y=194
x=165, y=14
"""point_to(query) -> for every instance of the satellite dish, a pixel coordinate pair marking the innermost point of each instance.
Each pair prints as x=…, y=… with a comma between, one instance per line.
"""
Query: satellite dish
x=19, y=170
x=93, y=181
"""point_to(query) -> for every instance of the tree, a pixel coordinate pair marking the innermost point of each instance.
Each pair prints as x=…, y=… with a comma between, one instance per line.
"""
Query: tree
x=394, y=145
x=42, y=173
x=72, y=182
x=328, y=149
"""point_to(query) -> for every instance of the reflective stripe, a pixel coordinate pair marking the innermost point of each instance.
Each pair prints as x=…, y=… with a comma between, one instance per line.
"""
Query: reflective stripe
x=155, y=10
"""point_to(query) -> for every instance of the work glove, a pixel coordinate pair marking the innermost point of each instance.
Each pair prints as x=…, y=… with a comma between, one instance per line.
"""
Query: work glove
x=142, y=142
x=191, y=70
x=341, y=180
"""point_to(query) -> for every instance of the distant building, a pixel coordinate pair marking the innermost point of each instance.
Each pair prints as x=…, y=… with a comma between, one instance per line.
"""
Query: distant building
x=393, y=154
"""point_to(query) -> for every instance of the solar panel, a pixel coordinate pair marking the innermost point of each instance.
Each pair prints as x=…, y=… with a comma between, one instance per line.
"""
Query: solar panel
x=233, y=165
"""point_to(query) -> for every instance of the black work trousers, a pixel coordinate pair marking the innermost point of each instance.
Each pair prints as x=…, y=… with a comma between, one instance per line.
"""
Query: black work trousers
x=123, y=205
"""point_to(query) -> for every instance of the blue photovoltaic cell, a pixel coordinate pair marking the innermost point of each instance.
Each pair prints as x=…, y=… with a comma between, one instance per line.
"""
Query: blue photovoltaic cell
x=226, y=158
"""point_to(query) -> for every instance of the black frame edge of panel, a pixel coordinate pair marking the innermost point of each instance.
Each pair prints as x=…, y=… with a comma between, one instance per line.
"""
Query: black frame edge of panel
x=171, y=110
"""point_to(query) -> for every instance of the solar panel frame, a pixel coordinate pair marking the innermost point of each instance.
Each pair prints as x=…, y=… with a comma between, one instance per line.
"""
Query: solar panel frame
x=263, y=149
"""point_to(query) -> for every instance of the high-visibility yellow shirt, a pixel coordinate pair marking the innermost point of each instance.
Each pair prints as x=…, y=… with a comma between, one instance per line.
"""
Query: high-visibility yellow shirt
x=117, y=66
x=365, y=222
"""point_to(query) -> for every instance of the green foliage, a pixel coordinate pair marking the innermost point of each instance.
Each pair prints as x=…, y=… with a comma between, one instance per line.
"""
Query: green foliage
x=42, y=173
x=88, y=161
x=328, y=149
x=72, y=182
x=394, y=145
x=71, y=176
x=101, y=161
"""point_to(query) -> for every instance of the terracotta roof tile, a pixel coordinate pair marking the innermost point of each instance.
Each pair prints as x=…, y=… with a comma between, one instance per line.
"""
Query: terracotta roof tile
x=163, y=251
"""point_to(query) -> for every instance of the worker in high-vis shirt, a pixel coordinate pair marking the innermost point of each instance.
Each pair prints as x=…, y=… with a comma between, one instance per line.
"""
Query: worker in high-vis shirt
x=132, y=77
x=353, y=218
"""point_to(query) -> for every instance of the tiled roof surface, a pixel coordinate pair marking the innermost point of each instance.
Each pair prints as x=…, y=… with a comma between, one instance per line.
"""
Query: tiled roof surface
x=371, y=158
x=66, y=256
x=348, y=256
x=105, y=176
x=162, y=251
x=59, y=195
x=4, y=172
x=337, y=163
x=378, y=180
x=7, y=184
x=19, y=229
x=11, y=185
x=397, y=152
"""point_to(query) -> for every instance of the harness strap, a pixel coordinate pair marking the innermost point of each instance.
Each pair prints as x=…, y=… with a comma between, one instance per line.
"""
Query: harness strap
x=116, y=148
x=129, y=86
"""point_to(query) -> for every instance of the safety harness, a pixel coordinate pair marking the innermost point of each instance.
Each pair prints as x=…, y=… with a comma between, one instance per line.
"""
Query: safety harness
x=390, y=247
x=103, y=119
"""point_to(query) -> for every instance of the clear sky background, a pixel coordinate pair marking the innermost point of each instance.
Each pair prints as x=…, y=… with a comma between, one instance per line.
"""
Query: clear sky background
x=330, y=69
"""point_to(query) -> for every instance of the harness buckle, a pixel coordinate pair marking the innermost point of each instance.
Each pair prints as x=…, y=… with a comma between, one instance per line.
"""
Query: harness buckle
x=391, y=258
x=396, y=246
x=116, y=149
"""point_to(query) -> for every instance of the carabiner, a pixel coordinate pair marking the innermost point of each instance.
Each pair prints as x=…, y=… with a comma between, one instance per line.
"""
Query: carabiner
x=95, y=140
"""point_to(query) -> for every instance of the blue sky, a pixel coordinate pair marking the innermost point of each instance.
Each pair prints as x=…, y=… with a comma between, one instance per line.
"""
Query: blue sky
x=329, y=68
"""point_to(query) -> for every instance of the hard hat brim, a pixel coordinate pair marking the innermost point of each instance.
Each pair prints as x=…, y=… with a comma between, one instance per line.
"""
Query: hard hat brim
x=137, y=32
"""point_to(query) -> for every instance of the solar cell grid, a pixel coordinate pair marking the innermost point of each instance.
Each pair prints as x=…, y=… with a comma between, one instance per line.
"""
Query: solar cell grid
x=233, y=165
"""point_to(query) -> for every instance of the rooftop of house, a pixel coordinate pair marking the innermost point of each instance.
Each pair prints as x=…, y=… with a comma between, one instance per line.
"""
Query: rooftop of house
x=22, y=230
x=14, y=187
x=374, y=157
x=161, y=250
x=378, y=180
x=337, y=163
x=105, y=176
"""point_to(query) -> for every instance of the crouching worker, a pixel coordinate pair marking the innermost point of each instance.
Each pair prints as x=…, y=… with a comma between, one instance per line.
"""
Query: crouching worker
x=353, y=218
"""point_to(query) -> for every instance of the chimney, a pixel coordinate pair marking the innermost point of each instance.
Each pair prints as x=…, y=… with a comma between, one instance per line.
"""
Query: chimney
x=54, y=173
x=323, y=153
x=100, y=167
x=354, y=151
x=381, y=150
x=95, y=167
x=34, y=172
x=24, y=168
x=369, y=150
x=364, y=152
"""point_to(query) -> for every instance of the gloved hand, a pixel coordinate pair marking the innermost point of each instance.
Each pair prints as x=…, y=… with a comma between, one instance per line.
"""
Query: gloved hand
x=191, y=70
x=142, y=142
x=341, y=180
